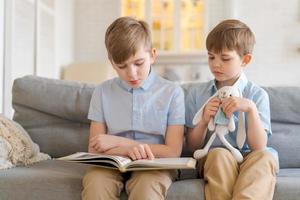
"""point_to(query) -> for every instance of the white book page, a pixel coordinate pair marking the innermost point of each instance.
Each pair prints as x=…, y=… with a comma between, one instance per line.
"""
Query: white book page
x=91, y=157
x=168, y=163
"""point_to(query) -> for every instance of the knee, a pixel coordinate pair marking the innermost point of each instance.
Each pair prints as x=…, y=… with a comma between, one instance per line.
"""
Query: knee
x=264, y=157
x=97, y=177
x=150, y=177
x=90, y=176
x=219, y=159
x=219, y=154
x=146, y=184
x=101, y=184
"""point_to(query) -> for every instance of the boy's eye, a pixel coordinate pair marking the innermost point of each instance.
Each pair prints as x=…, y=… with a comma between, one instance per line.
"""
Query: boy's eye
x=211, y=57
x=139, y=63
x=225, y=59
x=121, y=66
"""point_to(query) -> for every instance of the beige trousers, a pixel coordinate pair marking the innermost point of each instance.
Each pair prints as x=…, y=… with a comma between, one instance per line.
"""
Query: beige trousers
x=224, y=178
x=100, y=183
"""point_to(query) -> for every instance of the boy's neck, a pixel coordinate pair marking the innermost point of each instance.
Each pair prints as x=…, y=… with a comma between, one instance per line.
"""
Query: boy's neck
x=231, y=82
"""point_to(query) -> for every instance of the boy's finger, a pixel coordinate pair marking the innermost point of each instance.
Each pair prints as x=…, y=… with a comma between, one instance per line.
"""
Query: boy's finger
x=93, y=142
x=142, y=151
x=94, y=138
x=137, y=153
x=149, y=152
x=131, y=155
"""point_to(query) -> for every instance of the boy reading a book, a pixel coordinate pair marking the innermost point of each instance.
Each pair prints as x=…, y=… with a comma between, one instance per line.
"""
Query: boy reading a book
x=229, y=47
x=139, y=115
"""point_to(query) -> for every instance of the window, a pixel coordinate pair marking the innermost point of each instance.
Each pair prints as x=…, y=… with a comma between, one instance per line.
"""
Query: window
x=177, y=25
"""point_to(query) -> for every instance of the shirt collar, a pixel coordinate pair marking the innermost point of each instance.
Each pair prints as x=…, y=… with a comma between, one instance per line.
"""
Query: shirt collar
x=240, y=83
x=145, y=86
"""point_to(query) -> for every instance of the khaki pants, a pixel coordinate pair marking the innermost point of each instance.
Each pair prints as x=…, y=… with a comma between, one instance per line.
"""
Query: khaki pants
x=224, y=178
x=100, y=183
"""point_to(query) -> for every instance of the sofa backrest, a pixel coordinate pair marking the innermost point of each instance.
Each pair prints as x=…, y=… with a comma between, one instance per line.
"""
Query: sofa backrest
x=285, y=121
x=54, y=112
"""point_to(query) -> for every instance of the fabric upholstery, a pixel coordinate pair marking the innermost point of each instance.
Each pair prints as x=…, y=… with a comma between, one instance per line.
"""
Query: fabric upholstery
x=54, y=113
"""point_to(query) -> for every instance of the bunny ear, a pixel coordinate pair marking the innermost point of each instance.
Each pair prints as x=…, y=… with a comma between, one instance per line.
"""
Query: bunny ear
x=241, y=132
x=198, y=116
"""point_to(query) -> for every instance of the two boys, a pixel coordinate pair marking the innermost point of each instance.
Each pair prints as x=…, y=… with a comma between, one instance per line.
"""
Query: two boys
x=141, y=115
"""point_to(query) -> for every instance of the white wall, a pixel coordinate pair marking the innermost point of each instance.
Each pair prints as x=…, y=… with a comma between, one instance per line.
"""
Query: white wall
x=19, y=45
x=1, y=53
x=64, y=34
x=30, y=41
x=92, y=17
x=276, y=24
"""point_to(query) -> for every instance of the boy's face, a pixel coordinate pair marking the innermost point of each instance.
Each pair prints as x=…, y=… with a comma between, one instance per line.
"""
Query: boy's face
x=227, y=66
x=135, y=70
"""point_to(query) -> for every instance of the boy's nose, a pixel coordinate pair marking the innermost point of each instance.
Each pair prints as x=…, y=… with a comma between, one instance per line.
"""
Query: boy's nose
x=132, y=71
x=217, y=64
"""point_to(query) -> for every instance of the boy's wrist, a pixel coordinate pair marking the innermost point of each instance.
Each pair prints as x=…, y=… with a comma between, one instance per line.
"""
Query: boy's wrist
x=252, y=108
x=202, y=123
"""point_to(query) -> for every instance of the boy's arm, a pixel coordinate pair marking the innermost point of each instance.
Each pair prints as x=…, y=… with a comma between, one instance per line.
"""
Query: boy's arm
x=256, y=134
x=171, y=148
x=173, y=143
x=196, y=135
x=100, y=141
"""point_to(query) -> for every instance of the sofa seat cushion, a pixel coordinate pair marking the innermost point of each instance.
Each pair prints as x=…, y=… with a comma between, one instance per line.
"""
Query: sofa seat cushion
x=288, y=184
x=59, y=180
x=45, y=180
x=192, y=189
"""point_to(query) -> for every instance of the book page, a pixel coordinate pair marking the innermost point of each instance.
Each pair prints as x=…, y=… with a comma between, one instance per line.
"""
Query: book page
x=85, y=157
x=162, y=163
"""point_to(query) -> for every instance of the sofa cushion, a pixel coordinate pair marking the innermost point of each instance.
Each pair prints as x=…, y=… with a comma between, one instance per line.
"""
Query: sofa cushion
x=288, y=184
x=187, y=189
x=64, y=99
x=54, y=113
x=46, y=180
x=60, y=180
x=286, y=140
x=284, y=103
x=285, y=118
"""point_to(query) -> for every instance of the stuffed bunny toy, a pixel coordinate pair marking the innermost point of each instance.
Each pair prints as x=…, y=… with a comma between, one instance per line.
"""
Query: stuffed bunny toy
x=221, y=125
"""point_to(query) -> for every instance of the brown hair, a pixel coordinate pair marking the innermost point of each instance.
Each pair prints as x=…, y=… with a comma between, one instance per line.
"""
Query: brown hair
x=125, y=36
x=232, y=35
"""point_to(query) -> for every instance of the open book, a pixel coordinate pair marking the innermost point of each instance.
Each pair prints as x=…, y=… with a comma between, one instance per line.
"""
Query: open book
x=124, y=164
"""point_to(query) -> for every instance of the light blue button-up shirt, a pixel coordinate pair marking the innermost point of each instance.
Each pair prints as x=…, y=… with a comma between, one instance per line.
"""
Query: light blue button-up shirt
x=141, y=114
x=201, y=92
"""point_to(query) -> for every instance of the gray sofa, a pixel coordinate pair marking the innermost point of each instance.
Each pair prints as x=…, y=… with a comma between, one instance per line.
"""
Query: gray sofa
x=54, y=113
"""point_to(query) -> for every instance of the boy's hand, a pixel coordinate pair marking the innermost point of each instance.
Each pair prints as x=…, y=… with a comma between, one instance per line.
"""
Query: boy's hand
x=103, y=142
x=233, y=104
x=140, y=151
x=211, y=108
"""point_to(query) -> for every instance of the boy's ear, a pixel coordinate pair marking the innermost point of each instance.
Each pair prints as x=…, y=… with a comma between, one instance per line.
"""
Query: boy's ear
x=153, y=55
x=246, y=59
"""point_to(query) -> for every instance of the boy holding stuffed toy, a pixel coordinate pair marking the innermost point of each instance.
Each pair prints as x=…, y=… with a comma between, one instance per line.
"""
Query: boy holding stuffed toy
x=230, y=46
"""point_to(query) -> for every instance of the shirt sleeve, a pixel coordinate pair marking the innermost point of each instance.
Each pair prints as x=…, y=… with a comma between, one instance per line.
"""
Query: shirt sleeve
x=177, y=110
x=96, y=106
x=263, y=107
